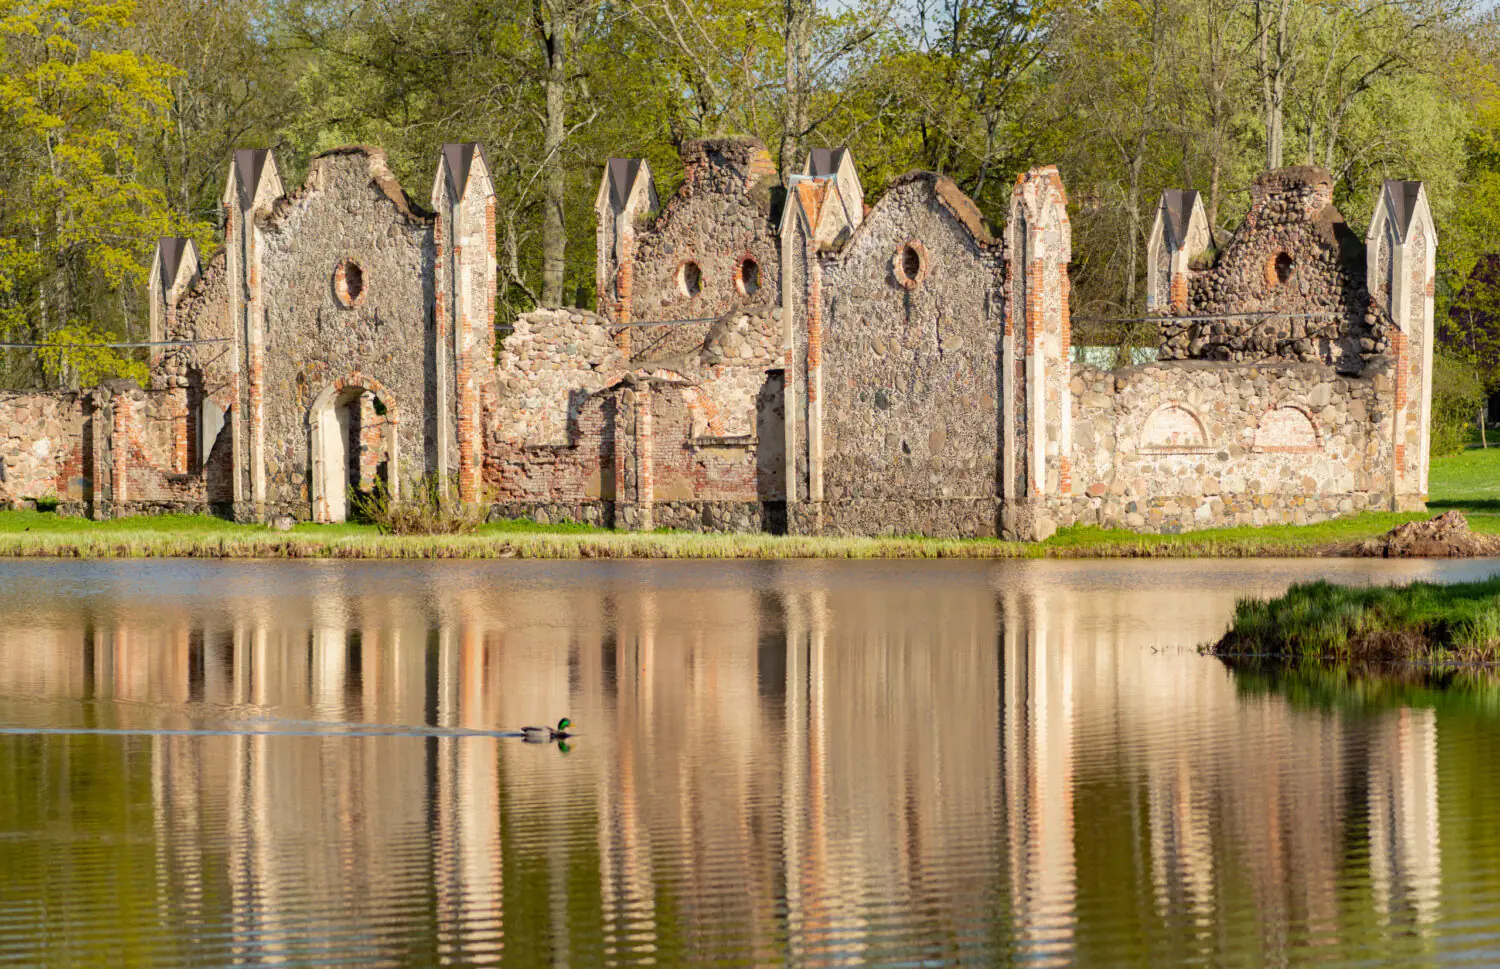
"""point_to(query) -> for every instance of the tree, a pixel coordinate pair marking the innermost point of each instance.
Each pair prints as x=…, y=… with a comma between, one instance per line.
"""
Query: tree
x=77, y=111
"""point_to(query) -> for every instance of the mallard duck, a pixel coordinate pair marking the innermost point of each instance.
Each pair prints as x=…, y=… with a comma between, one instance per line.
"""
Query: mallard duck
x=542, y=735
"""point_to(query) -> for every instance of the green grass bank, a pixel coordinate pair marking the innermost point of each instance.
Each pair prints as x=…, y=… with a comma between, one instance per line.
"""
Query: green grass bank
x=1320, y=622
x=27, y=533
x=1470, y=481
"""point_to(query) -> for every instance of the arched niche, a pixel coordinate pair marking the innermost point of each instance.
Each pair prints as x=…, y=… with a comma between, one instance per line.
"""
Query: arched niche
x=1173, y=428
x=1287, y=428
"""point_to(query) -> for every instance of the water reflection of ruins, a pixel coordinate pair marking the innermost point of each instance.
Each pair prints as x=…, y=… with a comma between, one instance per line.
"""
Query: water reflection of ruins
x=850, y=764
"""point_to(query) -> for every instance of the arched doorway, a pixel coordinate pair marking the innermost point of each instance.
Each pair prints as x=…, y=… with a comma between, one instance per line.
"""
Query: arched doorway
x=352, y=429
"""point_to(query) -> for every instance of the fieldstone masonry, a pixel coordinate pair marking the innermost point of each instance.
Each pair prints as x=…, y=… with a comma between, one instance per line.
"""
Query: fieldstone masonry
x=761, y=356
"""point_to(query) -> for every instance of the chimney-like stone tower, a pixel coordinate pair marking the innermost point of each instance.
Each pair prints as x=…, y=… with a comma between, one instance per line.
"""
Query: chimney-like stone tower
x=174, y=268
x=1401, y=258
x=252, y=188
x=837, y=164
x=463, y=198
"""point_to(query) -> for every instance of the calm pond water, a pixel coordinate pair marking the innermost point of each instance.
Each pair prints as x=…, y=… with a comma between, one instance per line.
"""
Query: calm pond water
x=813, y=764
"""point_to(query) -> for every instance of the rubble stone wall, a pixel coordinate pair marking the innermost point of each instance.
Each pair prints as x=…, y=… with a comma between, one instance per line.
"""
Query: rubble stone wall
x=1293, y=254
x=720, y=216
x=561, y=414
x=911, y=378
x=1175, y=446
x=42, y=447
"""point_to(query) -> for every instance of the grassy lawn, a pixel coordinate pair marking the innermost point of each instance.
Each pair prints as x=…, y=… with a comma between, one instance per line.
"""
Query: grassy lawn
x=1323, y=622
x=1470, y=481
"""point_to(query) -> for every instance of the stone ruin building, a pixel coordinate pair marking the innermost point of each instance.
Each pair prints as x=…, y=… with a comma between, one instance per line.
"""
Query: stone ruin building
x=762, y=357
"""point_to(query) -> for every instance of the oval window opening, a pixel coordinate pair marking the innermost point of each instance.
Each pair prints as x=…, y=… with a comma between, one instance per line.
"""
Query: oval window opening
x=749, y=276
x=909, y=264
x=690, y=279
x=1280, y=269
x=911, y=261
x=349, y=283
x=354, y=281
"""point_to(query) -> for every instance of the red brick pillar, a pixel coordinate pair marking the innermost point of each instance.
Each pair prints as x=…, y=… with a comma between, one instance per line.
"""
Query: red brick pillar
x=464, y=384
x=120, y=450
x=1179, y=293
x=256, y=365
x=645, y=468
x=440, y=311
x=179, y=399
x=620, y=456
x=624, y=286
x=814, y=374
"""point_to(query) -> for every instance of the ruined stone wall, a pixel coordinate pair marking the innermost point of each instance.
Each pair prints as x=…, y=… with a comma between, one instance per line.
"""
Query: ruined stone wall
x=1293, y=254
x=690, y=465
x=731, y=368
x=350, y=211
x=130, y=449
x=42, y=447
x=911, y=378
x=549, y=433
x=156, y=484
x=561, y=413
x=206, y=370
x=721, y=215
x=1175, y=446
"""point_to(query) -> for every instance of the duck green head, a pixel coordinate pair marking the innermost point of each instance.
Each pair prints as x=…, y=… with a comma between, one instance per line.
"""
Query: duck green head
x=563, y=724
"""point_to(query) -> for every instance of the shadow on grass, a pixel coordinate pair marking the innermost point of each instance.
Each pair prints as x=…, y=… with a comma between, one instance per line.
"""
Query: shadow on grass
x=1485, y=506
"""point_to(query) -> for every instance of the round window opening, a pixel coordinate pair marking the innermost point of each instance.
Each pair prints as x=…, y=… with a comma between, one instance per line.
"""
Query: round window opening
x=690, y=279
x=910, y=264
x=749, y=276
x=349, y=283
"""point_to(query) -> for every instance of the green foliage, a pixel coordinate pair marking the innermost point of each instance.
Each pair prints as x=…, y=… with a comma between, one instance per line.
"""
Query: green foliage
x=78, y=354
x=1457, y=396
x=115, y=122
x=80, y=116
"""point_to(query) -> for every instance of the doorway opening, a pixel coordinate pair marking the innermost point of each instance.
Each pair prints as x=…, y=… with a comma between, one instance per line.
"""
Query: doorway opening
x=354, y=446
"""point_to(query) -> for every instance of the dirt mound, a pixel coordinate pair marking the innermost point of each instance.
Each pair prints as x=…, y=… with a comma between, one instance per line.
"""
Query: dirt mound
x=1446, y=536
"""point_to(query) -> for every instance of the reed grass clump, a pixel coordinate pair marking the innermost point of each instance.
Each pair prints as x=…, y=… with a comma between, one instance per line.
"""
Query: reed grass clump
x=430, y=509
x=1324, y=622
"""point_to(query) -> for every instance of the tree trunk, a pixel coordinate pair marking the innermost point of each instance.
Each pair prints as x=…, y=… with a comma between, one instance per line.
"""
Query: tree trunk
x=1271, y=64
x=552, y=19
x=1133, y=218
x=799, y=15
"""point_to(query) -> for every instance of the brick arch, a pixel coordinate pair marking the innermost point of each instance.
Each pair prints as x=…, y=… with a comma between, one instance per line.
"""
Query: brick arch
x=1288, y=428
x=326, y=448
x=1174, y=426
